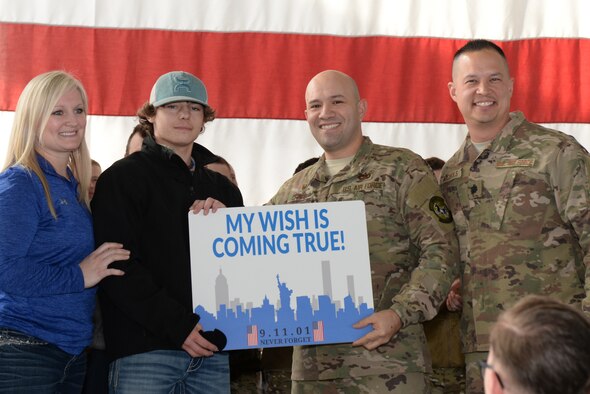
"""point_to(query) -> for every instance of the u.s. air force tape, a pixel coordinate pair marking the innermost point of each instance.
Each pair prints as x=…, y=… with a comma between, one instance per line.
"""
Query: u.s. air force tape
x=438, y=206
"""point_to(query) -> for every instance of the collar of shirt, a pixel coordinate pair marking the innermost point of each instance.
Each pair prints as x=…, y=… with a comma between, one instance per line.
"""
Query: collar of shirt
x=500, y=144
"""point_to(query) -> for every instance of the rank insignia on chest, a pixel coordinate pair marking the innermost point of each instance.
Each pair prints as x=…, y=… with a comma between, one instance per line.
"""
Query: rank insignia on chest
x=363, y=176
x=439, y=207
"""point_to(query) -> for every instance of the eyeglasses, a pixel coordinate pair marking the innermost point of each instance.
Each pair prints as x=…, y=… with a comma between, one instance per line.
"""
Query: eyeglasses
x=483, y=365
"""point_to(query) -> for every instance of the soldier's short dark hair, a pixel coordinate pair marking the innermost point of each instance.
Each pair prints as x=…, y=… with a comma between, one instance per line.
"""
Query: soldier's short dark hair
x=544, y=345
x=479, y=45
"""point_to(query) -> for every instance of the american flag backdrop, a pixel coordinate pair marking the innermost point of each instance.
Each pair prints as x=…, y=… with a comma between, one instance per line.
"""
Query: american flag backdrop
x=256, y=57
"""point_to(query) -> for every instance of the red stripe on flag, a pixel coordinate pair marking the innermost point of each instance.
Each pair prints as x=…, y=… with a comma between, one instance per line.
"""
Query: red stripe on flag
x=263, y=75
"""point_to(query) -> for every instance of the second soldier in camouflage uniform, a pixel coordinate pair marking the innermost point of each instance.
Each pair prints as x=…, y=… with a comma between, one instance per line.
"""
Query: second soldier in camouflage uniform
x=412, y=247
x=519, y=196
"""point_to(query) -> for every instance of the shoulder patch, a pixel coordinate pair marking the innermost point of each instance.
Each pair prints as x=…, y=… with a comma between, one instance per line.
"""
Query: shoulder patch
x=439, y=207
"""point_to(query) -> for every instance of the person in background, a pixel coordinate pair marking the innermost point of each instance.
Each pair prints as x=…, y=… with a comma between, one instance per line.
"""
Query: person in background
x=135, y=139
x=221, y=166
x=304, y=164
x=444, y=336
x=412, y=245
x=435, y=165
x=97, y=366
x=539, y=346
x=48, y=265
x=152, y=334
x=95, y=173
x=520, y=199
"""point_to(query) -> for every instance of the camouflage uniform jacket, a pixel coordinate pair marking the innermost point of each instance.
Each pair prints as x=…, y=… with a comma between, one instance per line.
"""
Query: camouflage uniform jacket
x=521, y=212
x=412, y=254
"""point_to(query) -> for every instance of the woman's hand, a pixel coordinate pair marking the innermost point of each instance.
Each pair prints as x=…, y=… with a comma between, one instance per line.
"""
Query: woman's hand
x=95, y=266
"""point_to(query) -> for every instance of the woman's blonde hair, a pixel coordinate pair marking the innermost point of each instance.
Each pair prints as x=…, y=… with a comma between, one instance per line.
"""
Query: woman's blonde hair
x=34, y=107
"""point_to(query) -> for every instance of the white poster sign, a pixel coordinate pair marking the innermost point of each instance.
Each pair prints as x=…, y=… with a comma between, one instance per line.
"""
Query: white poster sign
x=282, y=275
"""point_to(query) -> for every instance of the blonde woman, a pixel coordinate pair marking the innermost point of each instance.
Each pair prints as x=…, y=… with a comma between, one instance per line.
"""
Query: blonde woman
x=47, y=264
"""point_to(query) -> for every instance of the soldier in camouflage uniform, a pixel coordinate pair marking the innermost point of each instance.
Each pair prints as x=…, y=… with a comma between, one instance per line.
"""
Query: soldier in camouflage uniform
x=412, y=247
x=519, y=196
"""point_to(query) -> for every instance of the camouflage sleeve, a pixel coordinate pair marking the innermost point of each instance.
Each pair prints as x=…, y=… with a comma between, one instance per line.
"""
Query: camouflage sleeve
x=431, y=230
x=570, y=179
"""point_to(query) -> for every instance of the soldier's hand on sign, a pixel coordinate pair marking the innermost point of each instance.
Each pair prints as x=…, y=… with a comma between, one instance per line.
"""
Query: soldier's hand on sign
x=385, y=324
x=454, y=299
x=197, y=346
x=210, y=204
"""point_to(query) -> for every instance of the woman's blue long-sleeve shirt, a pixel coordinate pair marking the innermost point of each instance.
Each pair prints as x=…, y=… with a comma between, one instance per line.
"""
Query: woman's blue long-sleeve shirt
x=41, y=284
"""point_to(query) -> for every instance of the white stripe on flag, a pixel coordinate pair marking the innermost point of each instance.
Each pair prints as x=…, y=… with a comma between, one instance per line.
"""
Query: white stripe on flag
x=265, y=152
x=499, y=19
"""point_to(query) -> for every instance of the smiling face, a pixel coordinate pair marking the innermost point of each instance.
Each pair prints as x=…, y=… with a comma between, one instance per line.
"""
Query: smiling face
x=64, y=131
x=482, y=89
x=177, y=125
x=334, y=113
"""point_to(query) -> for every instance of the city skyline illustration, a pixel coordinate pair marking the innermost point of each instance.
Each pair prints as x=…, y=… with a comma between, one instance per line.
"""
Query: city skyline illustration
x=234, y=239
x=310, y=319
x=222, y=293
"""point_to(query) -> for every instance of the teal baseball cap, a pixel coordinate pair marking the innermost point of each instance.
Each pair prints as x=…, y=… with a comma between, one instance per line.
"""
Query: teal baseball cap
x=178, y=86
